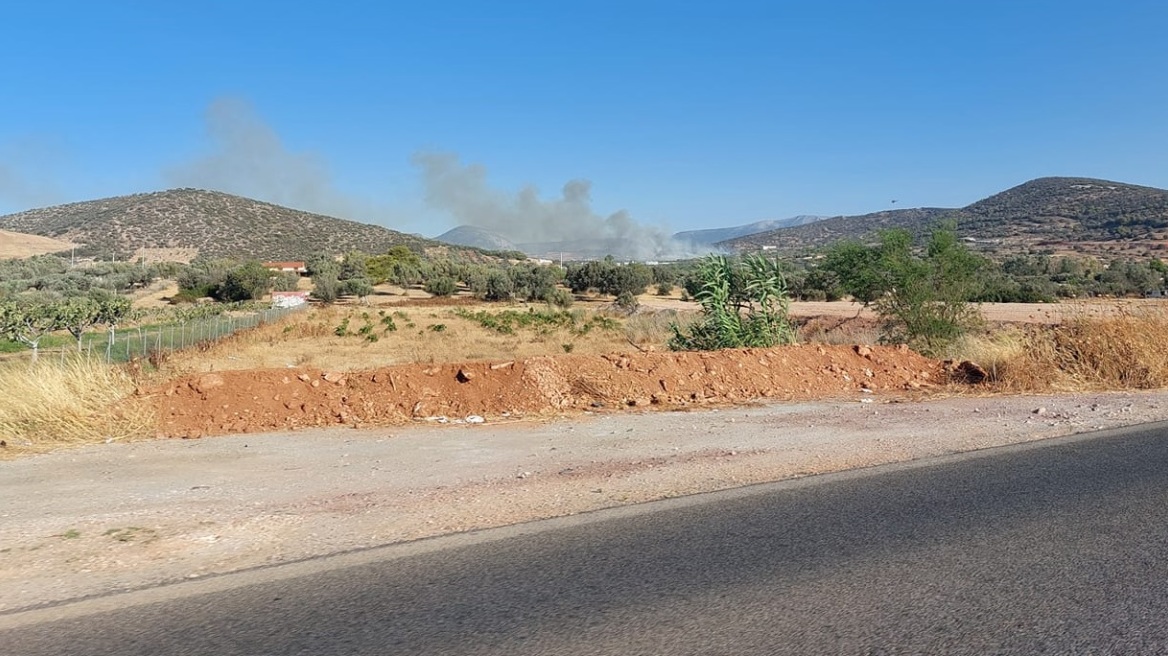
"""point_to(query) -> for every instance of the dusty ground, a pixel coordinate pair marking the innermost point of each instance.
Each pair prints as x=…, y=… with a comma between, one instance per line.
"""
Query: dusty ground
x=118, y=516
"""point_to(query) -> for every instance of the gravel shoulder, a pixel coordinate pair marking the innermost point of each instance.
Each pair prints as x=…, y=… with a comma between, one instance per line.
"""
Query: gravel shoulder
x=90, y=521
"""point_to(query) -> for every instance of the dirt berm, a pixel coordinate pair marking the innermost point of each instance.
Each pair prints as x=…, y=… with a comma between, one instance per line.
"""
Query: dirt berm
x=277, y=399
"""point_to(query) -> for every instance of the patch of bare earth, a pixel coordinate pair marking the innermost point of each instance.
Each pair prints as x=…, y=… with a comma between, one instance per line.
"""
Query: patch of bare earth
x=277, y=399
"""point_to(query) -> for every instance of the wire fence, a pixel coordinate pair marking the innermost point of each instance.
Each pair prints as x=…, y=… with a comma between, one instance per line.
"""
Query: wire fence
x=146, y=341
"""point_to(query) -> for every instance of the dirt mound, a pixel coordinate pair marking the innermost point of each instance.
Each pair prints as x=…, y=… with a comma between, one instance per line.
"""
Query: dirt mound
x=275, y=399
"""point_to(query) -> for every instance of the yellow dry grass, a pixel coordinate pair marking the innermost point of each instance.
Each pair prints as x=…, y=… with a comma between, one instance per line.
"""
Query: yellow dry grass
x=1124, y=350
x=425, y=333
x=65, y=402
x=20, y=245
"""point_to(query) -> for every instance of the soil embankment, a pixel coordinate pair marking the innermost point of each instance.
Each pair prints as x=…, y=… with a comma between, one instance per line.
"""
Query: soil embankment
x=280, y=399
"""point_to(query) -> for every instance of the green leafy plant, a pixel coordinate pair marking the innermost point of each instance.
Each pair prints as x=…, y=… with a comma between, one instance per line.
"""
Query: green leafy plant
x=744, y=304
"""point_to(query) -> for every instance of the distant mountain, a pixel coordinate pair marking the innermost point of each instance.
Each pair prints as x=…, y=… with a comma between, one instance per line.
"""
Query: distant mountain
x=215, y=223
x=1046, y=215
x=467, y=235
x=711, y=236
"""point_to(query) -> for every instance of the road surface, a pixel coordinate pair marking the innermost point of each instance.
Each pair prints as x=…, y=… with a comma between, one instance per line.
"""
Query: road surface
x=1059, y=547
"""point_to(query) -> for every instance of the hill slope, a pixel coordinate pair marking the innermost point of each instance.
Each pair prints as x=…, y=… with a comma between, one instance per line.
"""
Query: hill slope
x=711, y=236
x=217, y=224
x=467, y=235
x=17, y=245
x=1059, y=215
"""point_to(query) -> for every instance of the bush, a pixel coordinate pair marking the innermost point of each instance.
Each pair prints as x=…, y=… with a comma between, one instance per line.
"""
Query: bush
x=560, y=298
x=664, y=288
x=246, y=282
x=286, y=281
x=923, y=298
x=743, y=305
x=326, y=289
x=441, y=286
x=498, y=287
x=627, y=302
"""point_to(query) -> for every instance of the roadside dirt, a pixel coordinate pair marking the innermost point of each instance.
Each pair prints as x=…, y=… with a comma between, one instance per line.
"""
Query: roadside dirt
x=278, y=399
x=118, y=516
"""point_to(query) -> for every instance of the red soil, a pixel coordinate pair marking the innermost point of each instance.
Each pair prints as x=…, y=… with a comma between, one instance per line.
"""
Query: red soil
x=278, y=399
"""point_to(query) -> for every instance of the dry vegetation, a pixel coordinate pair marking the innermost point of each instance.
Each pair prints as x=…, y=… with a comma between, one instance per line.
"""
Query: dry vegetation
x=18, y=245
x=71, y=401
x=357, y=337
x=1122, y=351
x=68, y=401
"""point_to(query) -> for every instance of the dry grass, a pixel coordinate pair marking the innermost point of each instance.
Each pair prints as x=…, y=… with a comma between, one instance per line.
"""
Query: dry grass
x=840, y=330
x=424, y=333
x=651, y=328
x=1122, y=351
x=68, y=402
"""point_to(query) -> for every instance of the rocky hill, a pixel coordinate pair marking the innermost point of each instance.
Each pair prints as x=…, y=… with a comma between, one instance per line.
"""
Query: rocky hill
x=215, y=223
x=466, y=235
x=1050, y=215
x=711, y=236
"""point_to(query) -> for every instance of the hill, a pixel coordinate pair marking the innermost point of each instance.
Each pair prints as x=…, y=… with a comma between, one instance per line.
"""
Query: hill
x=215, y=223
x=1046, y=215
x=467, y=235
x=18, y=245
x=711, y=236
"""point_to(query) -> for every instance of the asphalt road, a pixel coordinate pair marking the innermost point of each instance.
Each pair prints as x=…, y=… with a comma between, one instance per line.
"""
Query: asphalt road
x=1060, y=548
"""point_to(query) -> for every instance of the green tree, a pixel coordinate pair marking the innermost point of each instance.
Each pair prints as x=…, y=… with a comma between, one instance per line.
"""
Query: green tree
x=855, y=269
x=245, y=282
x=399, y=266
x=78, y=314
x=28, y=318
x=359, y=287
x=441, y=286
x=326, y=289
x=924, y=299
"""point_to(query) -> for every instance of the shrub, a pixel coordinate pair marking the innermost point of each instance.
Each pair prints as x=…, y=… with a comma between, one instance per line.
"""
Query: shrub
x=743, y=304
x=246, y=282
x=627, y=302
x=441, y=286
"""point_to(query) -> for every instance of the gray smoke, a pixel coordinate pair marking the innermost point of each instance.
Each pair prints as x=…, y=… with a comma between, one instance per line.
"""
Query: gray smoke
x=525, y=218
x=249, y=159
x=25, y=174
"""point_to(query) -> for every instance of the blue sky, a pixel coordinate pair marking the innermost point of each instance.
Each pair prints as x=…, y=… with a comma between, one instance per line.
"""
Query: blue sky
x=686, y=115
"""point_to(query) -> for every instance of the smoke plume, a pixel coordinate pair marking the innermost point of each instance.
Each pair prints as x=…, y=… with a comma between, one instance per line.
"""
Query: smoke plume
x=26, y=173
x=249, y=159
x=525, y=218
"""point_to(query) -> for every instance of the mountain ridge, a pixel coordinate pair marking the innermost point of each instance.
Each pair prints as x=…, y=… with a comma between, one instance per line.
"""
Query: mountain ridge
x=216, y=223
x=1057, y=215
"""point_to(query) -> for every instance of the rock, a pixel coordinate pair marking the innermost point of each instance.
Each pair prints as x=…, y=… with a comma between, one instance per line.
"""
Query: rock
x=1039, y=411
x=474, y=419
x=464, y=376
x=966, y=372
x=207, y=382
x=304, y=377
x=863, y=351
x=334, y=377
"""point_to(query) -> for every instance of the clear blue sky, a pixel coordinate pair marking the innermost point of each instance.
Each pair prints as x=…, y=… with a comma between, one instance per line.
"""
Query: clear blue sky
x=685, y=114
